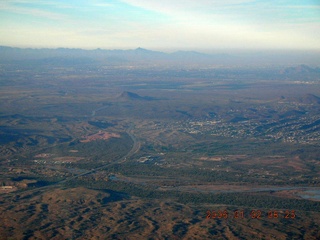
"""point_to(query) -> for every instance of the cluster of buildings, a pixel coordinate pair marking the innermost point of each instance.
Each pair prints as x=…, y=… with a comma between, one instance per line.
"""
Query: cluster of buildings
x=293, y=129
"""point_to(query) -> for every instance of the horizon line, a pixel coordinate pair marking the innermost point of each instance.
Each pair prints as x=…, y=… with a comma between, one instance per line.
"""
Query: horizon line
x=168, y=50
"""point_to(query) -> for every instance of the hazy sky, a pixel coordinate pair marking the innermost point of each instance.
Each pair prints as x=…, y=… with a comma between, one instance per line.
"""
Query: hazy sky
x=161, y=24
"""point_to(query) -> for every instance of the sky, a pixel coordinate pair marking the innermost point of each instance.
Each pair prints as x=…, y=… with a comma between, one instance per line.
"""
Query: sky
x=161, y=24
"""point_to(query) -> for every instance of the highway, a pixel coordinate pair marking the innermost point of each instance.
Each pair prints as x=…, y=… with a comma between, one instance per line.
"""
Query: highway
x=133, y=150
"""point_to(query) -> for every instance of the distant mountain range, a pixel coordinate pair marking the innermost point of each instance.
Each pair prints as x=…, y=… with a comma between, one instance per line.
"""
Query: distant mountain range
x=145, y=57
x=301, y=72
x=81, y=56
x=301, y=69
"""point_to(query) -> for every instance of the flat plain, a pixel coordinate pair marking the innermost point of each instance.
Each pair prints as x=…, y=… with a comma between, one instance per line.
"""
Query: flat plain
x=104, y=152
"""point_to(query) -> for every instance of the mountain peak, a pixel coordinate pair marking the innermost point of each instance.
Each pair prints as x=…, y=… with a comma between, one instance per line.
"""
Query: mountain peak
x=125, y=95
x=129, y=96
x=143, y=50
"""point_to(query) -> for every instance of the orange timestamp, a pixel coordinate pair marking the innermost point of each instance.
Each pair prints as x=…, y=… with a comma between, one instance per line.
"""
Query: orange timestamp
x=253, y=214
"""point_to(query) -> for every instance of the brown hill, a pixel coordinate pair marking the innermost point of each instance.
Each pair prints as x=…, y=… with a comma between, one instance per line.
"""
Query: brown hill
x=82, y=213
x=130, y=96
x=309, y=99
x=304, y=99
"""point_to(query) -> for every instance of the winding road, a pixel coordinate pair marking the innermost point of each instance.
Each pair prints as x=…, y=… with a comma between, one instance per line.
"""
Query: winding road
x=134, y=149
